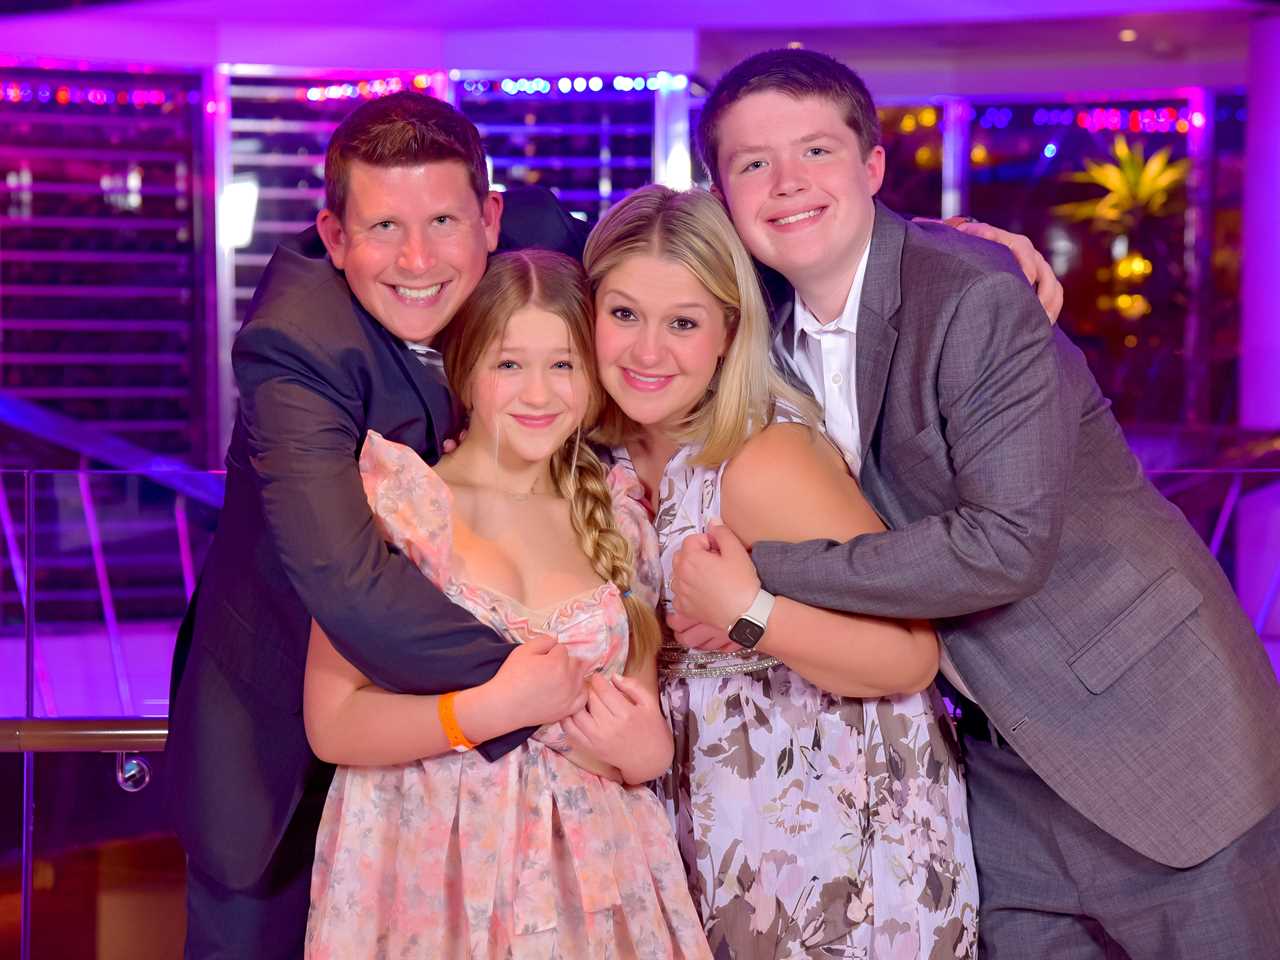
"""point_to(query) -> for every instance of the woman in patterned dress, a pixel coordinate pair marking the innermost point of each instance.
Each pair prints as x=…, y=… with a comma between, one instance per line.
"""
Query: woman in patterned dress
x=815, y=793
x=556, y=849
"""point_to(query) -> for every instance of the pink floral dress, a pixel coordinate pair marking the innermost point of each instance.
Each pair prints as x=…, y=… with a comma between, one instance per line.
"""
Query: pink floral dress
x=526, y=857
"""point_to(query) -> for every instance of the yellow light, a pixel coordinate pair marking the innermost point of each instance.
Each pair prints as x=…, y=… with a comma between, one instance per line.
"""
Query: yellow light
x=924, y=156
x=1123, y=268
x=1124, y=301
x=1104, y=302
x=795, y=45
x=1128, y=36
x=908, y=123
x=979, y=153
x=928, y=117
x=1131, y=341
x=1182, y=126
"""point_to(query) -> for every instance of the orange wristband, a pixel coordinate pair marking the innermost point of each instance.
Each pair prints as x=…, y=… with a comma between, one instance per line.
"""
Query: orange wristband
x=457, y=739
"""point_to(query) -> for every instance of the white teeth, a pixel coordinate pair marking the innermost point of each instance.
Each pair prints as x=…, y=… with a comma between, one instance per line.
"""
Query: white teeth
x=797, y=217
x=644, y=379
x=419, y=293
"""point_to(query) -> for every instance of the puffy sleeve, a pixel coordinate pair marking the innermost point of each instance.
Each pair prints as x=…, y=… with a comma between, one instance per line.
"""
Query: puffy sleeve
x=634, y=523
x=409, y=502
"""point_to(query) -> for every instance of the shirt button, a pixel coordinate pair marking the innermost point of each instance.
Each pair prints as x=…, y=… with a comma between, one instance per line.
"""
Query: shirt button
x=837, y=379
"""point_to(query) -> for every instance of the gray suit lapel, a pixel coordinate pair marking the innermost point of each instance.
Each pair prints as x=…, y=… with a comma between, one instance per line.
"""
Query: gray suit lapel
x=877, y=329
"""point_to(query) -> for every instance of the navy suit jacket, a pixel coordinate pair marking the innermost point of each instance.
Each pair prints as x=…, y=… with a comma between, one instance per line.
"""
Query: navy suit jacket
x=296, y=540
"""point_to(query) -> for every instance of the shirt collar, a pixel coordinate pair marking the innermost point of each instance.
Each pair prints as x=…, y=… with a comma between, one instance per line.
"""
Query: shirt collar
x=803, y=321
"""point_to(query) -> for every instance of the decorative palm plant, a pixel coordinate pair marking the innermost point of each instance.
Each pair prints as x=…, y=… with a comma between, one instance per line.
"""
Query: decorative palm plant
x=1137, y=188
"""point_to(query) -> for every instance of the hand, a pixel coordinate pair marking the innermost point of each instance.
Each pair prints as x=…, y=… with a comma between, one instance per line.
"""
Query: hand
x=712, y=577
x=692, y=635
x=540, y=683
x=1033, y=266
x=623, y=725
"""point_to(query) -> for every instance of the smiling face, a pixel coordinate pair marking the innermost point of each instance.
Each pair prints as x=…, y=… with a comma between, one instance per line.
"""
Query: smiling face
x=798, y=188
x=659, y=336
x=529, y=391
x=412, y=242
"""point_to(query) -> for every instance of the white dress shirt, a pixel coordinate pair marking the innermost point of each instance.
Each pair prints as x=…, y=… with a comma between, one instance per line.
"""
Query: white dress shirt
x=825, y=356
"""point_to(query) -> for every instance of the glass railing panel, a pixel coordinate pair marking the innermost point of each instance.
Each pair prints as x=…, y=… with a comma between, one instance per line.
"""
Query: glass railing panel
x=114, y=558
x=13, y=600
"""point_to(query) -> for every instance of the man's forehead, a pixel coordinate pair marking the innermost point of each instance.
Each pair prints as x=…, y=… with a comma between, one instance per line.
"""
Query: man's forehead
x=442, y=179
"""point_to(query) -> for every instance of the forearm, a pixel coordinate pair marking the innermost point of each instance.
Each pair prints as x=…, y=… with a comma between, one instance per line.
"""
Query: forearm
x=967, y=568
x=851, y=656
x=372, y=727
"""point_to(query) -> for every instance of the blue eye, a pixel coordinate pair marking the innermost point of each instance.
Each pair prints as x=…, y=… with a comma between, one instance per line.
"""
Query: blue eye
x=508, y=365
x=818, y=151
x=753, y=165
x=384, y=225
x=444, y=219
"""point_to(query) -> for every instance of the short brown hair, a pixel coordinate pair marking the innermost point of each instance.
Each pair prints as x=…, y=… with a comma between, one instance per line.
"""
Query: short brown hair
x=798, y=74
x=400, y=130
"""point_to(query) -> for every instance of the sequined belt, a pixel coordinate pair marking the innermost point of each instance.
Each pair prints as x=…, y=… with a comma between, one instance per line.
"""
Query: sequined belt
x=677, y=661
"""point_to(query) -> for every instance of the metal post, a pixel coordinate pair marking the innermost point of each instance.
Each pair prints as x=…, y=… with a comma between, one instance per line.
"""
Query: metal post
x=1196, y=257
x=218, y=162
x=957, y=138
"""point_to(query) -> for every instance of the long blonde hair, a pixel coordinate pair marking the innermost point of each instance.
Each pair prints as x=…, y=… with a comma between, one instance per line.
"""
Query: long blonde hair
x=555, y=283
x=692, y=229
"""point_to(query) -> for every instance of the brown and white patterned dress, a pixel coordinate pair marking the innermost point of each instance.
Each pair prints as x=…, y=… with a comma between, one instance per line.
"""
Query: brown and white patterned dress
x=810, y=825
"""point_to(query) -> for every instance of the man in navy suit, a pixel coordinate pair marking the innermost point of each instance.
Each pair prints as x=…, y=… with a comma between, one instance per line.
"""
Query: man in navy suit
x=335, y=344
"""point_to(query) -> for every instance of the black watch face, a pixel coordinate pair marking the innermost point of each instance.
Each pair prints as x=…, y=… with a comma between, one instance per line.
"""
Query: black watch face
x=746, y=633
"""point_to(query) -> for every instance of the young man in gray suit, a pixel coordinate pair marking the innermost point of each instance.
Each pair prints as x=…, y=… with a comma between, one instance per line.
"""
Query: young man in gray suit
x=1119, y=716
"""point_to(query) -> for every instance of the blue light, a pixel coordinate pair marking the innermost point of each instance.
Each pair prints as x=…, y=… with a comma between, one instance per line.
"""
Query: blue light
x=508, y=86
x=1050, y=150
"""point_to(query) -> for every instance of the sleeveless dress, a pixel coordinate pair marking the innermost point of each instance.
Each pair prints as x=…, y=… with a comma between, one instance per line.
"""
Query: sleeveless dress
x=526, y=857
x=810, y=825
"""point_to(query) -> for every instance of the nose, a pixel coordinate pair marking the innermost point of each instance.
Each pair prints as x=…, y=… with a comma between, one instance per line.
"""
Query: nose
x=417, y=253
x=535, y=388
x=647, y=348
x=788, y=177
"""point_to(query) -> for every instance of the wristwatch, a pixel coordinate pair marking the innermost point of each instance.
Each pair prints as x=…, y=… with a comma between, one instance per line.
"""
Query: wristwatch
x=750, y=627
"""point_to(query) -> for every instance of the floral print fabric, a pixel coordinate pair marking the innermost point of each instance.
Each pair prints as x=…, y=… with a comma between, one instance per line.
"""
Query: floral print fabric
x=811, y=825
x=526, y=857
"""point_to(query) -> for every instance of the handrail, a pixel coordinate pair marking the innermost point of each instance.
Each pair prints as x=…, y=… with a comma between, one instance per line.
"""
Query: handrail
x=105, y=734
x=95, y=444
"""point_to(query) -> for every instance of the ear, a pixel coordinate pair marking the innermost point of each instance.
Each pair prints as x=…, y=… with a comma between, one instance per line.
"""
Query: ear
x=329, y=225
x=491, y=217
x=875, y=169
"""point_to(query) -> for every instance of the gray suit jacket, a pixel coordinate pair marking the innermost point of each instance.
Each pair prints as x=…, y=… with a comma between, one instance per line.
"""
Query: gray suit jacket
x=1094, y=628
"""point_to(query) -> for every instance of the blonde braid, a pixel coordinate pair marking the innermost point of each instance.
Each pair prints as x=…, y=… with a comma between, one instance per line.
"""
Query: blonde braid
x=580, y=477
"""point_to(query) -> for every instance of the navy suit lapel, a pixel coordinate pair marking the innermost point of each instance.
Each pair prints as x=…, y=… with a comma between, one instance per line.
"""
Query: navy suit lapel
x=877, y=330
x=428, y=386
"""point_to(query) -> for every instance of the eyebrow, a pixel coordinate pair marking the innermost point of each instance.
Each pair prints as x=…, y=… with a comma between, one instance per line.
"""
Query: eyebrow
x=518, y=349
x=807, y=138
x=672, y=306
